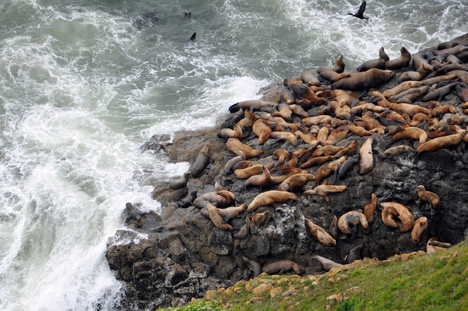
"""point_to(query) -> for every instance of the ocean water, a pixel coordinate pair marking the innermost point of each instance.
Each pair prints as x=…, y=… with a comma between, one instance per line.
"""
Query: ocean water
x=84, y=83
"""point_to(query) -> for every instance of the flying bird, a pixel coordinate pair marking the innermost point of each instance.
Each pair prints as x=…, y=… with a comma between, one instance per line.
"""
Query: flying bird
x=360, y=12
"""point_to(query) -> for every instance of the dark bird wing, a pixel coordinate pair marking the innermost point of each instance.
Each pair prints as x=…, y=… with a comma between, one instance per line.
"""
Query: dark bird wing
x=362, y=8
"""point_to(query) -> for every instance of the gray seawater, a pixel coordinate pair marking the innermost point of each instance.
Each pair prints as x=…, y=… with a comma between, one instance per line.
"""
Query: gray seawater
x=83, y=84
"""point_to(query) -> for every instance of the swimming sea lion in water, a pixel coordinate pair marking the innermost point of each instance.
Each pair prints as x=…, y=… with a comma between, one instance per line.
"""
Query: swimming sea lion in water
x=280, y=267
x=326, y=263
x=352, y=218
x=367, y=157
x=441, y=142
x=360, y=13
x=399, y=62
x=319, y=233
x=270, y=197
x=393, y=209
x=420, y=225
x=428, y=196
x=365, y=80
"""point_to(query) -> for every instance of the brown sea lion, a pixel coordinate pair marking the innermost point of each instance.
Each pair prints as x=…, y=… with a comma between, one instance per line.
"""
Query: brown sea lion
x=235, y=145
x=352, y=218
x=420, y=119
x=270, y=197
x=350, y=150
x=409, y=109
x=328, y=169
x=327, y=264
x=333, y=228
x=283, y=173
x=218, y=198
x=420, y=225
x=282, y=155
x=201, y=161
x=316, y=120
x=283, y=111
x=399, y=62
x=298, y=110
x=398, y=150
x=314, y=161
x=375, y=63
x=404, y=86
x=217, y=219
x=327, y=150
x=253, y=266
x=433, y=245
x=256, y=220
x=413, y=133
x=393, y=209
x=462, y=91
x=323, y=190
x=331, y=76
x=369, y=208
x=294, y=181
x=281, y=266
x=441, y=142
x=304, y=93
x=439, y=111
x=336, y=136
x=367, y=158
x=230, y=164
x=285, y=136
x=307, y=136
x=244, y=230
x=364, y=80
x=419, y=60
x=248, y=120
x=260, y=180
x=262, y=131
x=249, y=171
x=428, y=196
x=287, y=96
x=452, y=50
x=227, y=213
x=226, y=133
x=310, y=77
x=358, y=130
x=250, y=104
x=413, y=76
x=319, y=233
x=338, y=67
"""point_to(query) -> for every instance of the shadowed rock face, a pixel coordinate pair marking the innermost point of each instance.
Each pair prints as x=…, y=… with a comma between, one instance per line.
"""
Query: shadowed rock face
x=167, y=259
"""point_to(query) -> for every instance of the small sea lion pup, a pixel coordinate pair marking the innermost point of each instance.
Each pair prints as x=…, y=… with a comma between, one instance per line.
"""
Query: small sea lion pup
x=281, y=266
x=352, y=218
x=360, y=81
x=399, y=62
x=319, y=233
x=393, y=209
x=428, y=196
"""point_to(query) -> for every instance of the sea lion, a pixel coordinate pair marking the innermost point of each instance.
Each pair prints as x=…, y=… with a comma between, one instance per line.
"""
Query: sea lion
x=244, y=230
x=316, y=120
x=280, y=267
x=287, y=95
x=298, y=110
x=399, y=62
x=378, y=63
x=413, y=133
x=180, y=182
x=331, y=76
x=253, y=266
x=369, y=208
x=310, y=77
x=247, y=121
x=459, y=48
x=230, y=164
x=262, y=131
x=354, y=254
x=226, y=133
x=413, y=76
x=333, y=228
x=336, y=136
x=323, y=190
x=303, y=92
x=433, y=245
x=398, y=150
x=235, y=145
x=360, y=13
x=367, y=157
x=282, y=174
x=358, y=130
x=420, y=225
x=441, y=142
x=187, y=201
x=249, y=171
x=314, y=161
x=393, y=209
x=218, y=198
x=270, y=197
x=439, y=111
x=319, y=233
x=419, y=60
x=217, y=219
x=260, y=180
x=201, y=161
x=462, y=91
x=428, y=196
x=346, y=167
x=323, y=134
x=352, y=218
x=327, y=264
x=404, y=86
x=227, y=213
x=364, y=80
x=349, y=150
x=338, y=67
x=251, y=105
x=256, y=220
x=294, y=181
x=306, y=136
x=282, y=155
x=328, y=169
x=283, y=111
x=439, y=93
x=285, y=136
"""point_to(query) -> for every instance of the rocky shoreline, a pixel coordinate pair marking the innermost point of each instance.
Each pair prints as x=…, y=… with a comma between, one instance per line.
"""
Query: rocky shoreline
x=165, y=260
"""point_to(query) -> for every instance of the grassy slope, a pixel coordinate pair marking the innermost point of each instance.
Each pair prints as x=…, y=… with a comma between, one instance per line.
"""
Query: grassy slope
x=407, y=282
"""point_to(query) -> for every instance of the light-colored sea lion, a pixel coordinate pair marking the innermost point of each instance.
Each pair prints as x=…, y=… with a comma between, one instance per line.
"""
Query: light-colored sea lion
x=338, y=67
x=180, y=182
x=253, y=266
x=433, y=245
x=248, y=120
x=399, y=62
x=260, y=180
x=304, y=93
x=441, y=142
x=404, y=86
x=262, y=131
x=419, y=60
x=439, y=111
x=375, y=63
x=250, y=104
x=352, y=218
x=283, y=173
x=409, y=109
x=323, y=134
x=371, y=123
x=227, y=213
x=310, y=77
x=327, y=264
x=282, y=155
x=348, y=151
x=330, y=168
x=270, y=197
x=256, y=220
x=201, y=161
x=307, y=137
x=398, y=150
x=323, y=190
x=336, y=136
x=413, y=133
x=217, y=219
x=283, y=111
x=230, y=164
x=428, y=196
x=327, y=150
x=362, y=107
x=298, y=110
x=294, y=181
x=319, y=233
x=314, y=161
x=420, y=225
x=249, y=171
x=393, y=209
x=331, y=76
x=367, y=158
x=226, y=133
x=285, y=136
x=235, y=145
x=420, y=119
x=280, y=267
x=316, y=120
x=413, y=76
x=358, y=130
x=369, y=208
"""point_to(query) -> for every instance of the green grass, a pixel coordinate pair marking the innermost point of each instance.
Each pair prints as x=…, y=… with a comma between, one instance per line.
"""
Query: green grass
x=426, y=282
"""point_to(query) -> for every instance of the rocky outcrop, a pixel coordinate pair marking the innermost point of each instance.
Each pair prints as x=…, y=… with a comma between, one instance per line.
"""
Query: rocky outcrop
x=167, y=259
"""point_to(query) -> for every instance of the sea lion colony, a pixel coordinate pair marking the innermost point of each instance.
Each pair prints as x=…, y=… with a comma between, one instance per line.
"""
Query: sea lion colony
x=318, y=110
